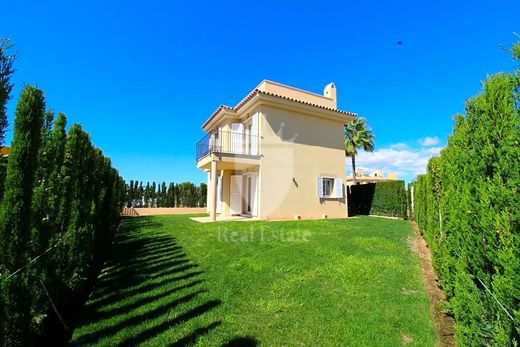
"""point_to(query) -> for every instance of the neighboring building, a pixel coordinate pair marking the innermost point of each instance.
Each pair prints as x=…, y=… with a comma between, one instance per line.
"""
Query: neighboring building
x=377, y=173
x=278, y=154
x=5, y=152
x=376, y=176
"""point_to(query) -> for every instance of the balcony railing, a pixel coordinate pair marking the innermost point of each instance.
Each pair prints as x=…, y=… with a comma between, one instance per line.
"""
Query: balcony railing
x=228, y=142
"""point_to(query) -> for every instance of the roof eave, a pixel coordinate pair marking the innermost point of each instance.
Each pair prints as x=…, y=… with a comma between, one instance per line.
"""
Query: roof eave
x=257, y=94
x=309, y=109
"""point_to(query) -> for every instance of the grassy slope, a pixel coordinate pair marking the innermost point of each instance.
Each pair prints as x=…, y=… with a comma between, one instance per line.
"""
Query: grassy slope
x=172, y=281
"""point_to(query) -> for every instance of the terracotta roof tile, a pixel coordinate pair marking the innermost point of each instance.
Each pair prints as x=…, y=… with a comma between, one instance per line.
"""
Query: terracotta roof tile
x=256, y=91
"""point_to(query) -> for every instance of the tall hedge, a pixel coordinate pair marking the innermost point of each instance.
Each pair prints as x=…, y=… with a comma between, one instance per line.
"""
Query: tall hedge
x=15, y=216
x=468, y=208
x=60, y=210
x=381, y=198
x=389, y=199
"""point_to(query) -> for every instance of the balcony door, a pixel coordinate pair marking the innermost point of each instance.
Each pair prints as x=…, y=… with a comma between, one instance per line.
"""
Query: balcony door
x=237, y=138
x=253, y=195
x=251, y=201
x=235, y=194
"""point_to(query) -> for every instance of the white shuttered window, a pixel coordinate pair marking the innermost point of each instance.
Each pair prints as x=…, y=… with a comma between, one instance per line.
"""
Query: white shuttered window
x=329, y=187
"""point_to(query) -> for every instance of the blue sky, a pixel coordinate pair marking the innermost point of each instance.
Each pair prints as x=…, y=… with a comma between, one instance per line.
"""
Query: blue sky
x=142, y=77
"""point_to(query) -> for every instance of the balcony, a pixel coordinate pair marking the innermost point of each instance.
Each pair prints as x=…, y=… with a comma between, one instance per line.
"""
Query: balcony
x=229, y=143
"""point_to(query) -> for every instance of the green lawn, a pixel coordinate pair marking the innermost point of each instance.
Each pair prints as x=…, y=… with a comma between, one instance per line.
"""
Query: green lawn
x=172, y=281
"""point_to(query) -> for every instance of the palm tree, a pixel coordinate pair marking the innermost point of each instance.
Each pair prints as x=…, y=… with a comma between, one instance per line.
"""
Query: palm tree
x=357, y=135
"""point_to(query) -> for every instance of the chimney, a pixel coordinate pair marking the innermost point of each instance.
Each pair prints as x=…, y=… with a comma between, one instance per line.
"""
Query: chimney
x=330, y=92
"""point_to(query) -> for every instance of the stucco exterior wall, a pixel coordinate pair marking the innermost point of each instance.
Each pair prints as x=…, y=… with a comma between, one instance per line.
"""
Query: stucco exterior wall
x=295, y=150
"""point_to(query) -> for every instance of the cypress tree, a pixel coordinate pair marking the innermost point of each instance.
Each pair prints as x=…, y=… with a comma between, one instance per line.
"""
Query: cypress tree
x=163, y=195
x=131, y=195
x=41, y=223
x=141, y=194
x=69, y=174
x=75, y=208
x=153, y=195
x=48, y=120
x=176, y=201
x=158, y=197
x=92, y=197
x=187, y=194
x=202, y=194
x=45, y=221
x=193, y=195
x=6, y=70
x=147, y=195
x=181, y=196
x=3, y=173
x=83, y=182
x=55, y=148
x=170, y=195
x=135, y=194
x=103, y=196
x=48, y=186
x=15, y=215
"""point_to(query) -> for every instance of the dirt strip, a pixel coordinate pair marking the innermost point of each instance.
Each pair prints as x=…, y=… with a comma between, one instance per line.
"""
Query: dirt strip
x=151, y=211
x=444, y=324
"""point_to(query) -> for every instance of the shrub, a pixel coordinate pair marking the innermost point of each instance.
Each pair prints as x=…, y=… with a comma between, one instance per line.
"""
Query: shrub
x=381, y=198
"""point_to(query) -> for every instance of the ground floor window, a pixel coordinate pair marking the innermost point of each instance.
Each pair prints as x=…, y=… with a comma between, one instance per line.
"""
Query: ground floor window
x=328, y=187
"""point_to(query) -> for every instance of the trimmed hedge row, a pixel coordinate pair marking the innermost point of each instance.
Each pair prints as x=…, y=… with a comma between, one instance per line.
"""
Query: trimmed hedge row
x=185, y=194
x=468, y=208
x=59, y=213
x=381, y=198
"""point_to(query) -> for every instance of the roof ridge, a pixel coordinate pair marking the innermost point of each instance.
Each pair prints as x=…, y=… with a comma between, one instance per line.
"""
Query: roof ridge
x=257, y=91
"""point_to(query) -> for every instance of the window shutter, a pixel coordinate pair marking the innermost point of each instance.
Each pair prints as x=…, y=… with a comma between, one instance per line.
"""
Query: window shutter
x=254, y=134
x=338, y=187
x=320, y=187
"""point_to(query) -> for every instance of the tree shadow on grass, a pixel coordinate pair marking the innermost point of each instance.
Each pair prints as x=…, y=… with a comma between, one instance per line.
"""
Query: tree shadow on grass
x=246, y=341
x=190, y=339
x=157, y=329
x=135, y=304
x=148, y=279
x=119, y=295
